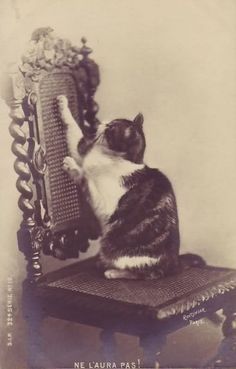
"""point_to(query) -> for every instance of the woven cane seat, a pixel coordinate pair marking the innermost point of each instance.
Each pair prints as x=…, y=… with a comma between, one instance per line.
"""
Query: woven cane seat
x=83, y=283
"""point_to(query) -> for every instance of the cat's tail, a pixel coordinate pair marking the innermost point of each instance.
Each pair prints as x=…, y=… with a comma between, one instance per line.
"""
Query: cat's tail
x=191, y=260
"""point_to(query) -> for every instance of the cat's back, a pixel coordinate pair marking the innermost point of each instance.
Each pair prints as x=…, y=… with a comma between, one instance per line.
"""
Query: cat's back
x=155, y=184
x=147, y=189
x=145, y=223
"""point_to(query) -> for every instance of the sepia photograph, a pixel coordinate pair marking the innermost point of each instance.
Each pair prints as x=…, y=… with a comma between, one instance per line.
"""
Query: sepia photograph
x=118, y=177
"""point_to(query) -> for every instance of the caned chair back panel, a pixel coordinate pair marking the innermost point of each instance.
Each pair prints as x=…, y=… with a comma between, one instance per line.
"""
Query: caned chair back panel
x=62, y=196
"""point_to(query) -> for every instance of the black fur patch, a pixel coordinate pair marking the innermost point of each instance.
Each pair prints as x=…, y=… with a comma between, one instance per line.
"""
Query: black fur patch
x=145, y=222
x=126, y=137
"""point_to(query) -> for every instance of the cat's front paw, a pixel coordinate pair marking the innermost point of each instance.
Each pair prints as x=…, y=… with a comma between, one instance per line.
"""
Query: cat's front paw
x=72, y=169
x=62, y=104
x=62, y=101
x=69, y=163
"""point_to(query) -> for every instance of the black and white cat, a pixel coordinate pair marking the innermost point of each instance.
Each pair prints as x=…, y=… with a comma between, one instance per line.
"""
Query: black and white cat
x=135, y=205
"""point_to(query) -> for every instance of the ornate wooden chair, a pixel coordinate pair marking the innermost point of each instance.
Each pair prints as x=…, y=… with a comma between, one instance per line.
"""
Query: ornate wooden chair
x=53, y=220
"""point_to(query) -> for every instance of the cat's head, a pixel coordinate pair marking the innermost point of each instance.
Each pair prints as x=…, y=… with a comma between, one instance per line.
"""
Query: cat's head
x=125, y=138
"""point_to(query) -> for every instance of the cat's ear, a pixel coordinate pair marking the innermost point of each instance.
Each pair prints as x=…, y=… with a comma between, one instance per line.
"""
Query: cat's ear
x=138, y=120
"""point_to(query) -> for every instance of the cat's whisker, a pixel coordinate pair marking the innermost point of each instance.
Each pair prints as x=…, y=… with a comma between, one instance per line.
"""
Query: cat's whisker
x=101, y=128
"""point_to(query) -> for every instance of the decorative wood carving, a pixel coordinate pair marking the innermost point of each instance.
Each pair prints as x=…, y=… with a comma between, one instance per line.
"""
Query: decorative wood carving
x=226, y=352
x=47, y=56
x=184, y=305
x=229, y=325
x=29, y=235
x=47, y=52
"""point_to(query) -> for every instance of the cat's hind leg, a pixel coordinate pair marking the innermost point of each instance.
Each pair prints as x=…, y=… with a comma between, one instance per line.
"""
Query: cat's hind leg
x=120, y=274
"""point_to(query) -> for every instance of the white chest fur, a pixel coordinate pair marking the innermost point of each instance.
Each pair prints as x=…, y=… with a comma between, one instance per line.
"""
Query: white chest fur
x=104, y=175
x=105, y=191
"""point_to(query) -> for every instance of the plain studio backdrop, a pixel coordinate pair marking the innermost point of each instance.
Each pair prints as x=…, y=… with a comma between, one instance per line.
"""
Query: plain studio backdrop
x=173, y=60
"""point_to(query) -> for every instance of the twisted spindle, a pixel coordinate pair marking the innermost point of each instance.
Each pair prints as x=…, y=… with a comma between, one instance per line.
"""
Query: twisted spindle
x=28, y=234
x=22, y=169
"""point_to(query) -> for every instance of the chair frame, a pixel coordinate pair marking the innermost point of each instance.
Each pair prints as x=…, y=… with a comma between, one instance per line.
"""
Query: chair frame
x=38, y=232
x=46, y=54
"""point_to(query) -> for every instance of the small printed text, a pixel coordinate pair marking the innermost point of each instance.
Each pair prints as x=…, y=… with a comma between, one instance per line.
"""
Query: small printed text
x=9, y=309
x=107, y=365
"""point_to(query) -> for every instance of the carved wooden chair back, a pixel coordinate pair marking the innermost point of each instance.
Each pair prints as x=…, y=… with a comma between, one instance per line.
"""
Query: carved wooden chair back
x=50, y=202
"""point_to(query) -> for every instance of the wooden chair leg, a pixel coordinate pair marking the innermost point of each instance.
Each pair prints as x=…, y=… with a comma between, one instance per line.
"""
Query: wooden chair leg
x=226, y=354
x=228, y=346
x=33, y=316
x=108, y=345
x=152, y=345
